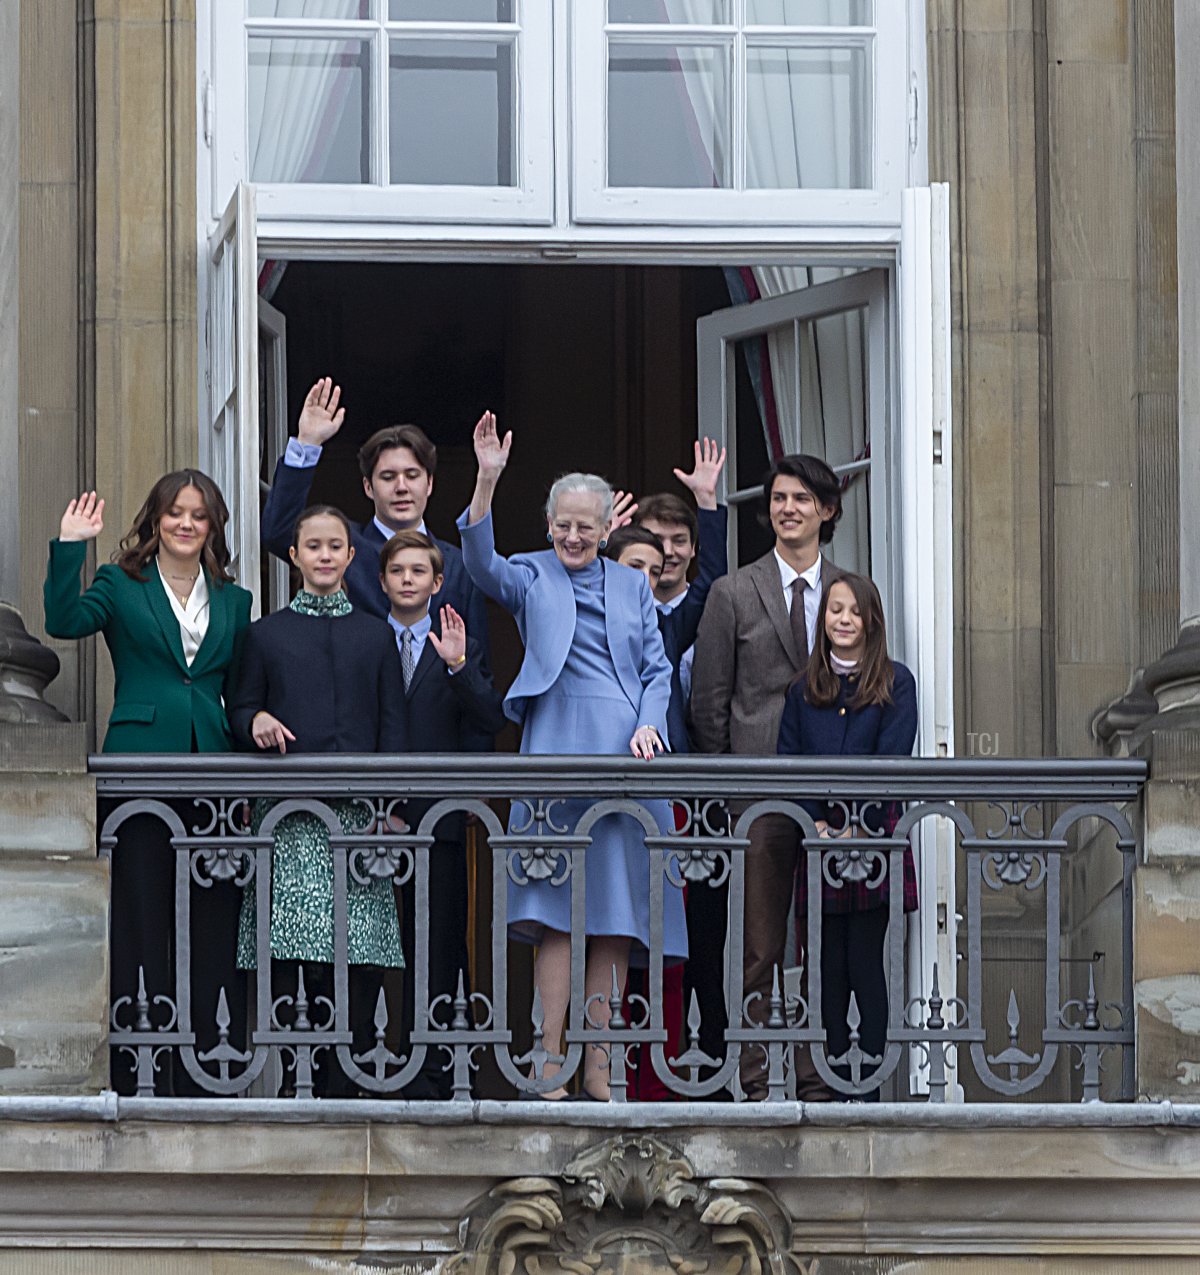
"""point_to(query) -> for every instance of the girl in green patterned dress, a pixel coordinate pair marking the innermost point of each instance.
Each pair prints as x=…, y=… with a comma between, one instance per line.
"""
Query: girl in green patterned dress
x=321, y=677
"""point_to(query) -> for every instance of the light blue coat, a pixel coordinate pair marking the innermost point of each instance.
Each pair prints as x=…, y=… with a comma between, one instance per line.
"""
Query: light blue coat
x=536, y=588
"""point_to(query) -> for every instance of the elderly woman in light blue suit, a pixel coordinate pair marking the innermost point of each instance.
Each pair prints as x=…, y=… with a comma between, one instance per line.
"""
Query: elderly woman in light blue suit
x=595, y=679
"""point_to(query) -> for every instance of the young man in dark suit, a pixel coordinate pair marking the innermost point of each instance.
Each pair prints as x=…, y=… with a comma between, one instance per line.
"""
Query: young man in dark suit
x=757, y=631
x=398, y=466
x=451, y=705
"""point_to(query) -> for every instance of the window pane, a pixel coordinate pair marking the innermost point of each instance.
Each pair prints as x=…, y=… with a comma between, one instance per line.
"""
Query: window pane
x=695, y=12
x=809, y=13
x=802, y=387
x=684, y=91
x=451, y=10
x=452, y=106
x=808, y=119
x=308, y=8
x=307, y=103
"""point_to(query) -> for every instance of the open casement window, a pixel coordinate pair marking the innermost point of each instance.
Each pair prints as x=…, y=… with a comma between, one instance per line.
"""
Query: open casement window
x=385, y=110
x=804, y=368
x=785, y=111
x=229, y=449
x=856, y=369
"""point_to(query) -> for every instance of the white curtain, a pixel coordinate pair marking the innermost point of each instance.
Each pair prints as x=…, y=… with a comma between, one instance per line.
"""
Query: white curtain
x=298, y=97
x=297, y=100
x=798, y=120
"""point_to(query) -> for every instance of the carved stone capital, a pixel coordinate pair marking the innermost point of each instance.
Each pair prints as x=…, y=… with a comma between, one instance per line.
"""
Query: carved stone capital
x=630, y=1205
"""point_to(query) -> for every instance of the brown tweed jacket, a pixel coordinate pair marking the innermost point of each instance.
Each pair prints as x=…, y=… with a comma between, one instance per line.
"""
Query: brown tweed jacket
x=745, y=660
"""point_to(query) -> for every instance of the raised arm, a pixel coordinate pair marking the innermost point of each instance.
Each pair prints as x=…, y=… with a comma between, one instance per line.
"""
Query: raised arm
x=320, y=420
x=491, y=456
x=482, y=705
x=71, y=613
x=713, y=564
x=496, y=576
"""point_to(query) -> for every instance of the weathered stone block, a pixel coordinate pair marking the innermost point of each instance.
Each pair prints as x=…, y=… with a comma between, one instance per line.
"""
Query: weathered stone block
x=53, y=977
x=42, y=815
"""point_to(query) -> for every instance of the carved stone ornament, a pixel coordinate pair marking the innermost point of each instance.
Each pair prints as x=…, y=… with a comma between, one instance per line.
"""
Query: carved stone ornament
x=629, y=1206
x=26, y=669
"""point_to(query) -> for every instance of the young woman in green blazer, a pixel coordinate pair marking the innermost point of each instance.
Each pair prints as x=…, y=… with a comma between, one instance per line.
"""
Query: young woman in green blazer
x=165, y=702
x=171, y=616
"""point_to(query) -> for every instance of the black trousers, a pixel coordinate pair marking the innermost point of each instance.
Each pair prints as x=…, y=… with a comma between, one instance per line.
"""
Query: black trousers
x=852, y=961
x=707, y=910
x=144, y=937
x=446, y=930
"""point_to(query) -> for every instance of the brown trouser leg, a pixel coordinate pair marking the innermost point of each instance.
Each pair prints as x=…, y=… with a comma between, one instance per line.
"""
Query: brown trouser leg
x=770, y=886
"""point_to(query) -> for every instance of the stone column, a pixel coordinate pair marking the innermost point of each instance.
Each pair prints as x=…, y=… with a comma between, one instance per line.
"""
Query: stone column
x=1167, y=887
x=10, y=169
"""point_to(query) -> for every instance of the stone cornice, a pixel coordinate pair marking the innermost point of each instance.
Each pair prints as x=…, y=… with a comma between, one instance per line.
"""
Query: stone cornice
x=408, y=1180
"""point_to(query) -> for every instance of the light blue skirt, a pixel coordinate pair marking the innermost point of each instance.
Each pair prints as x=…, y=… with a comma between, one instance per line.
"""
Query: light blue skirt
x=618, y=865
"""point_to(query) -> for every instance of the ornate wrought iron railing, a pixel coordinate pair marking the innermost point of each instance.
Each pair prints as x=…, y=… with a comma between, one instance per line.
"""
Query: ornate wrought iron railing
x=1012, y=826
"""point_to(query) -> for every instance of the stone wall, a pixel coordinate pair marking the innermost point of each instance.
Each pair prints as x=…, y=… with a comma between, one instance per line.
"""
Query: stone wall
x=53, y=916
x=108, y=335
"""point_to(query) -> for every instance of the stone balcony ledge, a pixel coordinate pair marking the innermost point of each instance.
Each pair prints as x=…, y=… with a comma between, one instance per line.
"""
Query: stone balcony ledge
x=236, y=1185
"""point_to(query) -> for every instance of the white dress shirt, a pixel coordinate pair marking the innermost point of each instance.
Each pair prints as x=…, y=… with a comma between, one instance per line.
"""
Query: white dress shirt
x=420, y=631
x=812, y=595
x=193, y=618
x=387, y=533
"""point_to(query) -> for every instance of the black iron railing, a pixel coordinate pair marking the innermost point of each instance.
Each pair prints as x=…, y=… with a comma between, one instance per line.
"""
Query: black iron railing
x=1012, y=825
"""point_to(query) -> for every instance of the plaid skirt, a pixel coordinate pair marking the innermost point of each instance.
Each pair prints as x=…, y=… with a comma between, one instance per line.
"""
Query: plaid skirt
x=852, y=895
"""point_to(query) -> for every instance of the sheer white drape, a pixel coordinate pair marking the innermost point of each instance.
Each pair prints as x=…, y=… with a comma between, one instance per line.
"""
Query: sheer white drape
x=297, y=97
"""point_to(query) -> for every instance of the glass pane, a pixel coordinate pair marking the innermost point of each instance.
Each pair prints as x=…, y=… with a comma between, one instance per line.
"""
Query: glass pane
x=307, y=105
x=809, y=13
x=808, y=119
x=802, y=388
x=451, y=10
x=308, y=8
x=684, y=90
x=694, y=12
x=453, y=106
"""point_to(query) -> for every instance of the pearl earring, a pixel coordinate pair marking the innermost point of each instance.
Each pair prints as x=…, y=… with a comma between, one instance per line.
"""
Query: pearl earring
x=603, y=542
x=549, y=538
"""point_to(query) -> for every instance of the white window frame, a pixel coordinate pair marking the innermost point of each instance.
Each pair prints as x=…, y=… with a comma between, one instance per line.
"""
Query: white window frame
x=549, y=216
x=891, y=139
x=226, y=123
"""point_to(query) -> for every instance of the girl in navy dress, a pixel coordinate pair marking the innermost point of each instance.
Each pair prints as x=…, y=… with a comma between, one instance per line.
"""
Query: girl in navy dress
x=852, y=701
x=321, y=676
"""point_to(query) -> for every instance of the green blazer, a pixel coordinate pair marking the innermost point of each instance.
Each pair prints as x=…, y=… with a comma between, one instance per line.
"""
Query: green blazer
x=160, y=704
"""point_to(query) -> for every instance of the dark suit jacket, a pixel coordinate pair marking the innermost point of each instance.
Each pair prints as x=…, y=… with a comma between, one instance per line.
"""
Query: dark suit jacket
x=286, y=501
x=679, y=627
x=335, y=683
x=160, y=704
x=841, y=730
x=745, y=660
x=448, y=713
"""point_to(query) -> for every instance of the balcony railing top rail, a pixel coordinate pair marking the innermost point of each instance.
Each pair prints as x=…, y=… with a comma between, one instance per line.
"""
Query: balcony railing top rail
x=1009, y=828
x=501, y=776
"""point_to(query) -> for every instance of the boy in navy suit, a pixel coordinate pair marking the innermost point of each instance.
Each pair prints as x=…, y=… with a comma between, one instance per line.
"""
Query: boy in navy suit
x=398, y=466
x=451, y=704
